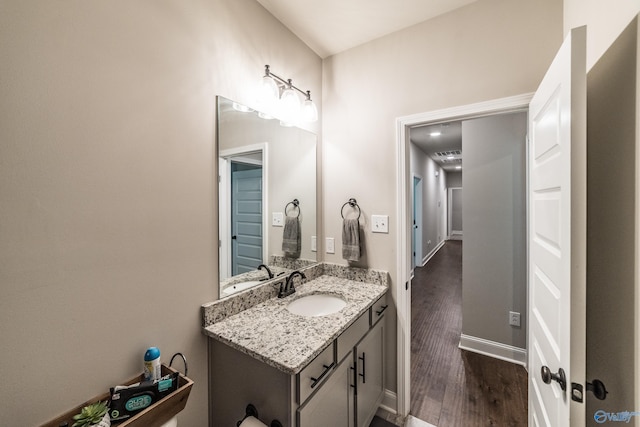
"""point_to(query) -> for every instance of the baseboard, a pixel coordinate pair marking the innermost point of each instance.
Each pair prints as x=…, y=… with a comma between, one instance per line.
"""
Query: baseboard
x=389, y=402
x=430, y=255
x=387, y=409
x=494, y=349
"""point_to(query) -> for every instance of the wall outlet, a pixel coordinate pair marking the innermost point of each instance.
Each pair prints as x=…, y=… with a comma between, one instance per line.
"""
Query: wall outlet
x=514, y=318
x=331, y=245
x=379, y=223
x=314, y=244
x=277, y=219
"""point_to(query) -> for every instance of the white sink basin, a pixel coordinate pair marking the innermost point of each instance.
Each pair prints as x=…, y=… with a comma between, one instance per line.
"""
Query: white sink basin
x=237, y=287
x=316, y=305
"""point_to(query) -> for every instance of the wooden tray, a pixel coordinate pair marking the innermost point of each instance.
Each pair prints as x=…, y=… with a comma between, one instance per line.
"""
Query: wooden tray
x=155, y=415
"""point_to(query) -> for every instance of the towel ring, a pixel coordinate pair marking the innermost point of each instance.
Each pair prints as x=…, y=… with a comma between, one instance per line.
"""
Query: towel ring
x=184, y=360
x=296, y=204
x=354, y=204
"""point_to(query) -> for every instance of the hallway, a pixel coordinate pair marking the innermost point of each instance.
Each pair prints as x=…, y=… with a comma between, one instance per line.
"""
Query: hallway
x=452, y=387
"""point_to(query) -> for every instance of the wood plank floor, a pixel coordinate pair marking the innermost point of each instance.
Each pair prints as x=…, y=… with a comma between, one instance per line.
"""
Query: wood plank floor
x=452, y=387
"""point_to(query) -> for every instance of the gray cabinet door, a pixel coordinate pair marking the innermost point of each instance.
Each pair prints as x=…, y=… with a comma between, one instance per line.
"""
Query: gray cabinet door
x=370, y=374
x=332, y=405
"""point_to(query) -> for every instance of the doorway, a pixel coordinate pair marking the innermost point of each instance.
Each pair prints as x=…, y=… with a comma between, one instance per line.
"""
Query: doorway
x=403, y=291
x=454, y=216
x=242, y=211
x=416, y=241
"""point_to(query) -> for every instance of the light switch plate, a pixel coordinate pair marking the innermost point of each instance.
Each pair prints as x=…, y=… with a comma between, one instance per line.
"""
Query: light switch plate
x=314, y=244
x=331, y=245
x=277, y=219
x=380, y=223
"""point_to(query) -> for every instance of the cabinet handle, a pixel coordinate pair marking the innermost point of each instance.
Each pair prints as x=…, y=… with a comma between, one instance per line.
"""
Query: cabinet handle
x=364, y=369
x=315, y=381
x=355, y=378
x=382, y=309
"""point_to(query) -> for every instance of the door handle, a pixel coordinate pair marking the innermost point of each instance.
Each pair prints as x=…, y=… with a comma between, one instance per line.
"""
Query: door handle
x=548, y=376
x=598, y=389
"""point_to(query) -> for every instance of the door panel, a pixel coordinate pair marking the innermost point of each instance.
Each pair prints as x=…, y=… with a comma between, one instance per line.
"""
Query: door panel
x=246, y=219
x=557, y=235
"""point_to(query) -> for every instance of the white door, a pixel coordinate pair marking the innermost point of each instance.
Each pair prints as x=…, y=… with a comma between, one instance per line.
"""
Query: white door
x=557, y=238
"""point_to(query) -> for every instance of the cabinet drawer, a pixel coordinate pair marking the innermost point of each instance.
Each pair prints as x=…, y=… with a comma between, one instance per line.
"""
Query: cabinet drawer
x=354, y=333
x=315, y=373
x=379, y=309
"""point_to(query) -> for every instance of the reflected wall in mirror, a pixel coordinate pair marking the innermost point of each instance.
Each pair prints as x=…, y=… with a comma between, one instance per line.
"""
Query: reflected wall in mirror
x=267, y=197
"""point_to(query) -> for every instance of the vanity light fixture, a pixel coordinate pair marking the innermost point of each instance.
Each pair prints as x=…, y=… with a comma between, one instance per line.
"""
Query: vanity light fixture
x=288, y=104
x=436, y=133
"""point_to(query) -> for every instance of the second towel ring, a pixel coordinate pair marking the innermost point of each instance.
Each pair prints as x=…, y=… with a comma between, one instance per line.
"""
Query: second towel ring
x=354, y=204
x=296, y=204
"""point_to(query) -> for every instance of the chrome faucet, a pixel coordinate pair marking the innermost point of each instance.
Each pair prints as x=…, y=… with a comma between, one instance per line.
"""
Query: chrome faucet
x=287, y=286
x=263, y=266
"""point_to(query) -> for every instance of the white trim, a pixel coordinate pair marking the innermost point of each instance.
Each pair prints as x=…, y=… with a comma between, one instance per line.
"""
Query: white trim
x=494, y=349
x=430, y=255
x=389, y=402
x=403, y=239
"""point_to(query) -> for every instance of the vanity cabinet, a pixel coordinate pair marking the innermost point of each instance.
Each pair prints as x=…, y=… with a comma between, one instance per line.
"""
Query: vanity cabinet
x=341, y=387
x=362, y=390
x=369, y=362
x=333, y=404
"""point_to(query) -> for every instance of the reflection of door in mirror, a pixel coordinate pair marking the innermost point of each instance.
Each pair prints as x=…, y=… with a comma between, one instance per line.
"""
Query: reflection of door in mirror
x=248, y=140
x=242, y=221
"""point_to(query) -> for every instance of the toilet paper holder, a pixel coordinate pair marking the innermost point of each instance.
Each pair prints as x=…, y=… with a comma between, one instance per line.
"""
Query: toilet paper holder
x=251, y=411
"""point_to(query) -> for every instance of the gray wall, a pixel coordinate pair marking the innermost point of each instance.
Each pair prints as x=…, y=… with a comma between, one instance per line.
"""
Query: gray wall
x=612, y=255
x=434, y=197
x=494, y=279
x=454, y=179
x=108, y=189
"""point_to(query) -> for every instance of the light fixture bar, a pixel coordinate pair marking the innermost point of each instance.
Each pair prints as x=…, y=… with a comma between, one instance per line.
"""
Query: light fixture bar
x=286, y=83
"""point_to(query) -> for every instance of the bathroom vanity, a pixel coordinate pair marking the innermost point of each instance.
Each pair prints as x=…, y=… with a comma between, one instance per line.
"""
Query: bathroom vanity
x=302, y=370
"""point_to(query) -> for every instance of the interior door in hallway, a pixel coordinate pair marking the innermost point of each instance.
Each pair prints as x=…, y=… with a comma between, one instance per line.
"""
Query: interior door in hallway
x=557, y=238
x=416, y=242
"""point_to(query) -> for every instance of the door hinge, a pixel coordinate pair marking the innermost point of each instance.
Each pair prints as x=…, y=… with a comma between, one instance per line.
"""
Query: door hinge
x=406, y=286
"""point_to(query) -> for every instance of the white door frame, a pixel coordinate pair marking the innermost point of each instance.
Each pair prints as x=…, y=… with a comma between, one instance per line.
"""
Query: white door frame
x=404, y=187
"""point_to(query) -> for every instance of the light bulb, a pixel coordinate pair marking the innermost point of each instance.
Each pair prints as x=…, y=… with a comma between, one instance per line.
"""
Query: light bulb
x=269, y=92
x=309, y=111
x=290, y=105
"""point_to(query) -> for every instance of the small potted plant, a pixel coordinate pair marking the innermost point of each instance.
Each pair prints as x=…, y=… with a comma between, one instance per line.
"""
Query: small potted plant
x=94, y=415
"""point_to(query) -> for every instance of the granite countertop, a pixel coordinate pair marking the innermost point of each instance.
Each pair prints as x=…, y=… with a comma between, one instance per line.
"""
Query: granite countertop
x=288, y=342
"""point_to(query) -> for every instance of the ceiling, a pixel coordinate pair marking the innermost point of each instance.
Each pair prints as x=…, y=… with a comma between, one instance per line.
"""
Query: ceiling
x=332, y=26
x=442, y=142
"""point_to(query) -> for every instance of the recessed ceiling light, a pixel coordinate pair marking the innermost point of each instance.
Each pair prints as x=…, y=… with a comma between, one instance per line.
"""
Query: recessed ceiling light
x=435, y=133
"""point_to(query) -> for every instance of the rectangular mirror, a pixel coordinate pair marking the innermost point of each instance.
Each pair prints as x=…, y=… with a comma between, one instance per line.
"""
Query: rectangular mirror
x=267, y=197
